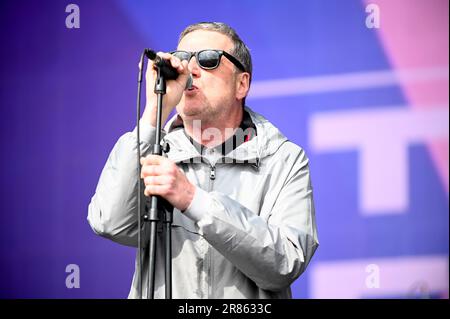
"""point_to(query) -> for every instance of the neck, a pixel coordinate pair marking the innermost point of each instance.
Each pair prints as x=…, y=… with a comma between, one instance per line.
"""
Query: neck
x=216, y=131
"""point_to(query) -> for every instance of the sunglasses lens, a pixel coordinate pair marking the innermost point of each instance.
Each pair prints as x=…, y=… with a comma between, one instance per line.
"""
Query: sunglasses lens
x=208, y=59
x=182, y=55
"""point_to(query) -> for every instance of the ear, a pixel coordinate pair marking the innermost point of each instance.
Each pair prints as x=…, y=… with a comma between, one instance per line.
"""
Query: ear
x=242, y=85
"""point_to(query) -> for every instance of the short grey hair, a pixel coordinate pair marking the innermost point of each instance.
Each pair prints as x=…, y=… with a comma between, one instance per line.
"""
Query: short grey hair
x=240, y=50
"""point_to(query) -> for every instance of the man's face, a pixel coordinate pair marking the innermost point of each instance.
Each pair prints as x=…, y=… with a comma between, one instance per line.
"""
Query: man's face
x=214, y=91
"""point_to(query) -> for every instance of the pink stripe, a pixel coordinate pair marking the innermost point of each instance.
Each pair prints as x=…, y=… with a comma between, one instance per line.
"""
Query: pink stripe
x=414, y=34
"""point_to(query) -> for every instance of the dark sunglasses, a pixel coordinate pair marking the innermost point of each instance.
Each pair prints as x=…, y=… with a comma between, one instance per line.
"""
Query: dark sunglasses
x=208, y=59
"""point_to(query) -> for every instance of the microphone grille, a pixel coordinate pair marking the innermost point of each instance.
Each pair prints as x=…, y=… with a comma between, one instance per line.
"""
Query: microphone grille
x=150, y=54
x=189, y=82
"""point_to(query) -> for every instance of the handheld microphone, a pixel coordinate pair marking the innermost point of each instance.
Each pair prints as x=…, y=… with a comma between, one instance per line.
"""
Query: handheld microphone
x=166, y=69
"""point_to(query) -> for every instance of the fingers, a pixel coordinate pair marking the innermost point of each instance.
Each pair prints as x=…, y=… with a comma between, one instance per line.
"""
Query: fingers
x=184, y=65
x=180, y=66
x=175, y=88
x=152, y=160
x=154, y=165
x=164, y=55
x=158, y=185
x=149, y=170
x=158, y=180
x=154, y=170
x=162, y=177
x=160, y=190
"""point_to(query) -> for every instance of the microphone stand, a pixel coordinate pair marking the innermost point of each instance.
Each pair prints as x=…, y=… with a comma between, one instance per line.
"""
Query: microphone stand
x=157, y=204
x=152, y=217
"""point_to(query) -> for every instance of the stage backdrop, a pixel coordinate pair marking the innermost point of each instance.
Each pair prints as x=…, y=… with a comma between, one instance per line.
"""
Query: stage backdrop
x=361, y=86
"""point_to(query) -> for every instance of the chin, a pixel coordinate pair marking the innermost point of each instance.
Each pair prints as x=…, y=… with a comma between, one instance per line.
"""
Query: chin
x=189, y=109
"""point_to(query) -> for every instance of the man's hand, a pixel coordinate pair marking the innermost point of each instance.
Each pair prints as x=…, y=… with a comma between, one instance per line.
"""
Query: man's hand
x=162, y=177
x=174, y=89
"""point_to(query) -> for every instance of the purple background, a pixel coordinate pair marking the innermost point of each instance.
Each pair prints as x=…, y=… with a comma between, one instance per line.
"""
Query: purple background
x=68, y=94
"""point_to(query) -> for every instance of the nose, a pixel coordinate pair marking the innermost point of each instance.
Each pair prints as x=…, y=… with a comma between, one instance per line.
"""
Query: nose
x=193, y=67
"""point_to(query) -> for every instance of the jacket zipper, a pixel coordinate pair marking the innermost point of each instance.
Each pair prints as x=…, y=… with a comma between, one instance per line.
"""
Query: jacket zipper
x=212, y=177
x=212, y=173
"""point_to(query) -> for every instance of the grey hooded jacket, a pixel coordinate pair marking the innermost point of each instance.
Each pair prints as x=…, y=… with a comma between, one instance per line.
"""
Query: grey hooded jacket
x=250, y=230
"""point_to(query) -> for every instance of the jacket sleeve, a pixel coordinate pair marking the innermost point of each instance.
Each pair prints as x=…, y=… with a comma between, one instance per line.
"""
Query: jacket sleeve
x=273, y=251
x=112, y=211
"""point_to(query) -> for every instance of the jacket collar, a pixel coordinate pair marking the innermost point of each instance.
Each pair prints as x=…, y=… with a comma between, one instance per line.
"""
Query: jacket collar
x=266, y=142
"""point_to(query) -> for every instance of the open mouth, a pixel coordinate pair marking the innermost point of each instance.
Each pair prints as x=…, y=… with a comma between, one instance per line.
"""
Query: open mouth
x=192, y=88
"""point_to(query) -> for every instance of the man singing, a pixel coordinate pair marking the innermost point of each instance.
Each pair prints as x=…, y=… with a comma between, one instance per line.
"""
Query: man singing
x=244, y=220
